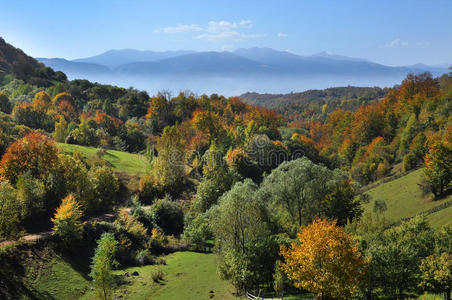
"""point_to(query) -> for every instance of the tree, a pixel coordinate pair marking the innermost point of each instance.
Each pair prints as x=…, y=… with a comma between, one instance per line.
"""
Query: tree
x=102, y=264
x=168, y=215
x=300, y=190
x=61, y=130
x=5, y=105
x=324, y=260
x=396, y=254
x=105, y=186
x=169, y=166
x=10, y=211
x=34, y=153
x=438, y=167
x=242, y=237
x=66, y=221
x=436, y=274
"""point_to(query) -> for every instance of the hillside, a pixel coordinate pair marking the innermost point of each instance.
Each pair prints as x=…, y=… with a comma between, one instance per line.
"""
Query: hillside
x=309, y=105
x=131, y=163
x=15, y=62
x=408, y=201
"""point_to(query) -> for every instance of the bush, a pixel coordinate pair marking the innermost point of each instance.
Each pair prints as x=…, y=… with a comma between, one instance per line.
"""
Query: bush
x=149, y=189
x=158, y=276
x=168, y=216
x=143, y=257
x=132, y=226
x=105, y=185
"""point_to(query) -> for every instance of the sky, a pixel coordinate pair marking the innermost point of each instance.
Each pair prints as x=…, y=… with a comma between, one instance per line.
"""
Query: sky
x=392, y=32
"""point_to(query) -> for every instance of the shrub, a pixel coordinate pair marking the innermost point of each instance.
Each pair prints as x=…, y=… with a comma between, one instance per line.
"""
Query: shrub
x=158, y=276
x=149, y=189
x=168, y=216
x=129, y=224
x=105, y=185
x=143, y=257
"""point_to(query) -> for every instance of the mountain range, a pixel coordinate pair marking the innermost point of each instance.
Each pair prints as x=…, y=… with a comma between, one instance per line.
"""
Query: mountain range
x=232, y=73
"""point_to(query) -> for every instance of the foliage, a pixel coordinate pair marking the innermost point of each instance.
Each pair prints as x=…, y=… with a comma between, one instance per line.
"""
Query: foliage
x=436, y=273
x=102, y=264
x=34, y=153
x=324, y=260
x=168, y=216
x=438, y=167
x=131, y=225
x=66, y=221
x=105, y=186
x=10, y=211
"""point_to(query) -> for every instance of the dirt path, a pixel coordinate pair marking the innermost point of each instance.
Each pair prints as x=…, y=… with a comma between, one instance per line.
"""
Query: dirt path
x=45, y=234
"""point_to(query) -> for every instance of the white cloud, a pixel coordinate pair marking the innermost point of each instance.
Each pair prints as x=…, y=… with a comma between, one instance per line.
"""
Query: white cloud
x=396, y=43
x=216, y=31
x=282, y=35
x=179, y=28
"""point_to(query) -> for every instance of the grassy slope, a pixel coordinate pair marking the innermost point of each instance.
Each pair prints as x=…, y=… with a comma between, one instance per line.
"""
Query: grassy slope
x=189, y=275
x=121, y=161
x=404, y=199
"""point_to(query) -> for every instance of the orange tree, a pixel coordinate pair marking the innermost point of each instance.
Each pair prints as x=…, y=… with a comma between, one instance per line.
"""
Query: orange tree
x=66, y=222
x=324, y=260
x=34, y=153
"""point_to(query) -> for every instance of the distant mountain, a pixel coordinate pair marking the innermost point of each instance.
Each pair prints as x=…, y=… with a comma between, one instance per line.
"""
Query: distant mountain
x=325, y=54
x=232, y=73
x=115, y=58
x=76, y=69
x=224, y=63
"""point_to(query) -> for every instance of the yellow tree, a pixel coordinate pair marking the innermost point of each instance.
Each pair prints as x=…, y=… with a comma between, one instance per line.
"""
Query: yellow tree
x=324, y=260
x=66, y=222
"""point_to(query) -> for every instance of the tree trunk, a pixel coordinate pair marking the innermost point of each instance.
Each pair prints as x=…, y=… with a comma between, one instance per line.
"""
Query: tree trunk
x=447, y=295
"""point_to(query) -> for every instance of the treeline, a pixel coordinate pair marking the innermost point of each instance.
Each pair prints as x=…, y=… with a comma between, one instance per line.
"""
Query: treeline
x=316, y=105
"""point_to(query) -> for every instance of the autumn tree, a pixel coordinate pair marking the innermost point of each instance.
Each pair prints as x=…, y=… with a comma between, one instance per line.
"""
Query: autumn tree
x=61, y=130
x=324, y=260
x=438, y=167
x=34, y=153
x=67, y=225
x=102, y=264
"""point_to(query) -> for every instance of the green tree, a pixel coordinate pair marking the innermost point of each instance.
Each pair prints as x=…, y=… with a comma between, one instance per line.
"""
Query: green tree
x=300, y=190
x=102, y=264
x=5, y=105
x=105, y=186
x=169, y=166
x=10, y=211
x=396, y=254
x=436, y=274
x=242, y=236
x=168, y=215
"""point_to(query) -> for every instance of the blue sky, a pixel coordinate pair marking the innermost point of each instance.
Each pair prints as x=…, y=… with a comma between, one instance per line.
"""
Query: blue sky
x=388, y=32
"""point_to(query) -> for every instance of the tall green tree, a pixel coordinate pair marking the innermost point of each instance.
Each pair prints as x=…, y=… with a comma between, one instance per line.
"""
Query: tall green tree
x=102, y=264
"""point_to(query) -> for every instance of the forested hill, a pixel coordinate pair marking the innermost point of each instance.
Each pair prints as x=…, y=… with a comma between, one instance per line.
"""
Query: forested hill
x=15, y=62
x=311, y=104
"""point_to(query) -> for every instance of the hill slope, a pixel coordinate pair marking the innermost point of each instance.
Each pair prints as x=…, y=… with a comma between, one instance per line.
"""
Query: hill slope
x=408, y=201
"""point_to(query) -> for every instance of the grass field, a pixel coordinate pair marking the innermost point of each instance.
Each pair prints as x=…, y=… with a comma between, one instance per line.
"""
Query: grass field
x=133, y=164
x=404, y=199
x=188, y=275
